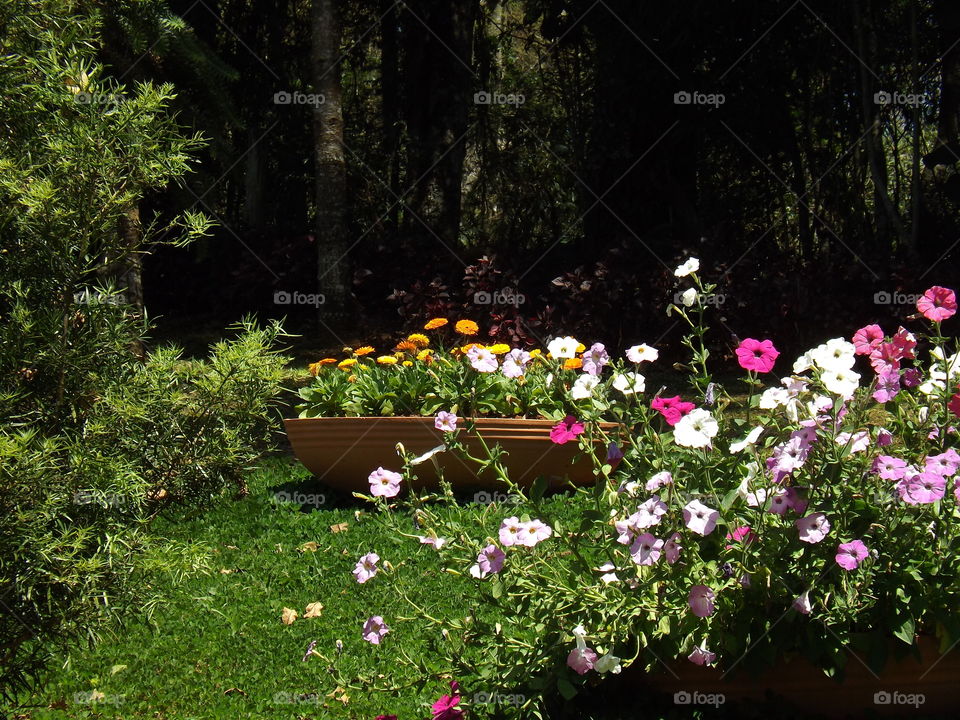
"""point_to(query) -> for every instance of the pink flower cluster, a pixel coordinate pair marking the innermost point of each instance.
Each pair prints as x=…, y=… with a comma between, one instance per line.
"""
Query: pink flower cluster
x=513, y=532
x=673, y=409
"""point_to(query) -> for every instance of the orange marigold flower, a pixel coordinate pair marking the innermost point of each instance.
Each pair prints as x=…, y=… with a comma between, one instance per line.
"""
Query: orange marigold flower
x=466, y=327
x=361, y=351
x=406, y=346
x=387, y=360
x=499, y=349
x=421, y=341
x=466, y=348
x=347, y=364
x=572, y=364
x=435, y=323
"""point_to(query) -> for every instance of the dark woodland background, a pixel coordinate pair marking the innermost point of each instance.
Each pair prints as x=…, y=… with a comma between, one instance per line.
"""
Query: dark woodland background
x=814, y=170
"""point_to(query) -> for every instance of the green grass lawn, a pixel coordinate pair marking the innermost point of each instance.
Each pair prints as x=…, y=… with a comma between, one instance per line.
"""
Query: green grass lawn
x=215, y=646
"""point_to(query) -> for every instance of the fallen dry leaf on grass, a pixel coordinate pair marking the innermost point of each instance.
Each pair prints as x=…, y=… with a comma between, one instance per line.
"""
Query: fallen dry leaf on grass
x=339, y=528
x=340, y=695
x=231, y=691
x=288, y=616
x=313, y=610
x=309, y=547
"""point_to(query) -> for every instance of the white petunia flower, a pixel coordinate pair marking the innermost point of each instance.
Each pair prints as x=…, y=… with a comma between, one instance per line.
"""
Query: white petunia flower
x=583, y=387
x=565, y=347
x=695, y=429
x=629, y=383
x=690, y=266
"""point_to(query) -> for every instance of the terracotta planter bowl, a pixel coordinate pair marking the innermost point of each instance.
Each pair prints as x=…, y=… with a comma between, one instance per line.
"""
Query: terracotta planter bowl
x=342, y=452
x=800, y=682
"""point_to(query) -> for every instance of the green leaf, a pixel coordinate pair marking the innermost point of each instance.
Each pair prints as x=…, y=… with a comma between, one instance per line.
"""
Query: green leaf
x=538, y=489
x=729, y=499
x=904, y=629
x=566, y=688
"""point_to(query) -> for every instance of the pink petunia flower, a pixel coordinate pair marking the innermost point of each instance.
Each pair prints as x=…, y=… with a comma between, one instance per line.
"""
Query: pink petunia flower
x=701, y=601
x=646, y=549
x=446, y=707
x=482, y=360
x=672, y=548
x=594, y=359
x=515, y=363
x=673, y=409
x=857, y=442
x=802, y=603
x=701, y=655
x=699, y=518
x=374, y=629
x=922, y=488
x=445, y=421
x=954, y=404
x=384, y=483
x=489, y=562
x=945, y=464
x=566, y=430
x=366, y=567
x=650, y=512
x=938, y=304
x=885, y=358
x=510, y=530
x=867, y=338
x=851, y=554
x=889, y=468
x=659, y=480
x=905, y=341
x=884, y=437
x=813, y=528
x=888, y=385
x=533, y=532
x=741, y=534
x=757, y=355
x=911, y=378
x=582, y=660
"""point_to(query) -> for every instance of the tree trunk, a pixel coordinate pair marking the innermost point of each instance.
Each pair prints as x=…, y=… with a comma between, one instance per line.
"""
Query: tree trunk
x=333, y=269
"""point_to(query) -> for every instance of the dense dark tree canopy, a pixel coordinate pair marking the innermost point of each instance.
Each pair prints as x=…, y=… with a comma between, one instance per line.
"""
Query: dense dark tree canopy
x=572, y=151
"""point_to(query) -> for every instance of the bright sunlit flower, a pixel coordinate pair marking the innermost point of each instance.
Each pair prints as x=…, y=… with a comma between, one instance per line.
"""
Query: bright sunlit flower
x=642, y=353
x=466, y=327
x=629, y=383
x=699, y=518
x=347, y=364
x=499, y=349
x=365, y=350
x=384, y=483
x=482, y=360
x=695, y=429
x=757, y=355
x=938, y=304
x=565, y=347
x=418, y=339
x=690, y=266
x=445, y=421
x=374, y=629
x=584, y=387
x=572, y=364
x=435, y=323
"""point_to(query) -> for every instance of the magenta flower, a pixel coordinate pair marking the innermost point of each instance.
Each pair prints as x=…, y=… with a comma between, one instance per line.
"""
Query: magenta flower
x=374, y=629
x=701, y=655
x=699, y=518
x=445, y=421
x=911, y=378
x=954, y=405
x=886, y=358
x=659, y=480
x=533, y=532
x=813, y=528
x=889, y=468
x=510, y=530
x=446, y=707
x=482, y=360
x=743, y=533
x=672, y=548
x=594, y=359
x=384, y=483
x=922, y=488
x=672, y=409
x=884, y=437
x=938, y=304
x=888, y=385
x=945, y=464
x=646, y=549
x=566, y=430
x=701, y=601
x=867, y=338
x=582, y=660
x=956, y=490
x=851, y=554
x=757, y=355
x=366, y=567
x=905, y=342
x=489, y=562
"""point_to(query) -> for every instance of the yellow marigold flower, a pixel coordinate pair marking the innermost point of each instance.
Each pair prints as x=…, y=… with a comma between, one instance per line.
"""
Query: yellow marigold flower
x=466, y=327
x=536, y=353
x=406, y=346
x=407, y=363
x=435, y=323
x=425, y=355
x=347, y=364
x=314, y=367
x=421, y=341
x=361, y=351
x=499, y=349
x=581, y=347
x=572, y=364
x=387, y=360
x=352, y=378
